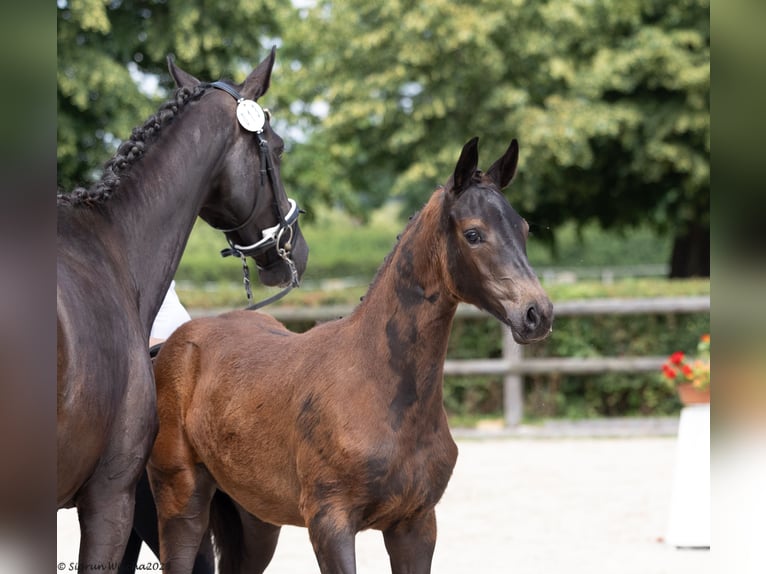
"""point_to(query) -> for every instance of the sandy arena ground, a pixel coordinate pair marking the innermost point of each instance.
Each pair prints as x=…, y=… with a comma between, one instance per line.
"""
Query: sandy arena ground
x=525, y=506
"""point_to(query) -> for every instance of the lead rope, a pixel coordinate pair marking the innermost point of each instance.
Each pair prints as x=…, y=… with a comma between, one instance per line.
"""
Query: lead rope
x=283, y=252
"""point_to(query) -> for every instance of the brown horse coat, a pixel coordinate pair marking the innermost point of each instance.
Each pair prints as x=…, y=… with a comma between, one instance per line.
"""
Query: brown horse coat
x=342, y=428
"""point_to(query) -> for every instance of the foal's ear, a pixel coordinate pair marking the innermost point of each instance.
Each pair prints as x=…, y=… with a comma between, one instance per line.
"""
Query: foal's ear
x=503, y=170
x=181, y=78
x=257, y=82
x=466, y=166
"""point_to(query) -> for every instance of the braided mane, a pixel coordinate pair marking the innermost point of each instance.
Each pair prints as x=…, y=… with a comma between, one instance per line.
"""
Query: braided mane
x=130, y=151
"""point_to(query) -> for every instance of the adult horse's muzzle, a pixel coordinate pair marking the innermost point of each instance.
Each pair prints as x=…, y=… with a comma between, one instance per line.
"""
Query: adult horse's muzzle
x=280, y=254
x=284, y=264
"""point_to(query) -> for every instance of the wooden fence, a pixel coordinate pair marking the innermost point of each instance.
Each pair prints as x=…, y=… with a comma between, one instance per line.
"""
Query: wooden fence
x=512, y=364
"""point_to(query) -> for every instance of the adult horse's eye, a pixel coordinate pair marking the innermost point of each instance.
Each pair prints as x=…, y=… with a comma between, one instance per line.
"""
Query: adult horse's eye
x=472, y=236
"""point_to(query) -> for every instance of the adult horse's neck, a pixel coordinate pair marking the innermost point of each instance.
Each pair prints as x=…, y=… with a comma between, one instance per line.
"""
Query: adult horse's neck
x=409, y=310
x=149, y=217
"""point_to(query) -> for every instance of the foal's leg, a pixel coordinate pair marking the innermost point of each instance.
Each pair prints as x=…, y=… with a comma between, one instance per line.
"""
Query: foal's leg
x=183, y=498
x=145, y=530
x=245, y=543
x=410, y=545
x=260, y=542
x=333, y=540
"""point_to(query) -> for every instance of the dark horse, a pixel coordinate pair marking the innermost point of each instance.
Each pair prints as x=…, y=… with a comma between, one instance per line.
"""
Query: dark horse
x=341, y=428
x=119, y=244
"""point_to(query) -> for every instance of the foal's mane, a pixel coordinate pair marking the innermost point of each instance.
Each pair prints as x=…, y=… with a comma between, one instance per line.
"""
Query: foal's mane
x=413, y=221
x=131, y=150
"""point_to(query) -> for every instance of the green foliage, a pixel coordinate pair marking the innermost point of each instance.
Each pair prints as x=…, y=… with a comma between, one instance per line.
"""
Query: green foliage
x=609, y=98
x=344, y=246
x=612, y=394
x=107, y=50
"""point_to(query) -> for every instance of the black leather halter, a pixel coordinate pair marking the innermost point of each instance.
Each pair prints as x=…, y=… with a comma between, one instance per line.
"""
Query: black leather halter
x=271, y=237
x=267, y=172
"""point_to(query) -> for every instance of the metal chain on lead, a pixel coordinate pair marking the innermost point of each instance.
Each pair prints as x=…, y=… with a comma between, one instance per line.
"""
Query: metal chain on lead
x=246, y=278
x=284, y=253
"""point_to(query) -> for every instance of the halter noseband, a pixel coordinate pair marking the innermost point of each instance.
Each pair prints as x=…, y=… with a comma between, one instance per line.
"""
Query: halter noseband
x=252, y=118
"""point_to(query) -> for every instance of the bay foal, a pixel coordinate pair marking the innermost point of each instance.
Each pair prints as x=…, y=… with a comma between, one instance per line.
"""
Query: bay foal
x=341, y=428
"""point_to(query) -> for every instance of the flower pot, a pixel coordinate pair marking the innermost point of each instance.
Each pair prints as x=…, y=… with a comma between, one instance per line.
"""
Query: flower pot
x=690, y=395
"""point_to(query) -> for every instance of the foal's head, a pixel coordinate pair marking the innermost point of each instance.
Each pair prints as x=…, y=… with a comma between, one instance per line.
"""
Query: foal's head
x=248, y=201
x=486, y=246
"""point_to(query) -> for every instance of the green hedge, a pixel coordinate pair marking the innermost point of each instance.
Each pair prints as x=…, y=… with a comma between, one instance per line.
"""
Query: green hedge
x=576, y=396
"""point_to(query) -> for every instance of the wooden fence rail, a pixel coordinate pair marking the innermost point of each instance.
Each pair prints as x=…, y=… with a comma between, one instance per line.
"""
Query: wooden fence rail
x=512, y=364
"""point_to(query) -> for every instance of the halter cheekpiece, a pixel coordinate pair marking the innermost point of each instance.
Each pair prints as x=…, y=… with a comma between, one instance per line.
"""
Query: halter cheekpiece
x=252, y=118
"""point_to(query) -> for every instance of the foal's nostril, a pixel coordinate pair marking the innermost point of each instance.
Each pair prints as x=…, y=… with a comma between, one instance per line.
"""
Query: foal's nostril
x=532, y=317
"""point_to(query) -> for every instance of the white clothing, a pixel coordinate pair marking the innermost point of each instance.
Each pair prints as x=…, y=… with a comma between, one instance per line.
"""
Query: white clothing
x=170, y=316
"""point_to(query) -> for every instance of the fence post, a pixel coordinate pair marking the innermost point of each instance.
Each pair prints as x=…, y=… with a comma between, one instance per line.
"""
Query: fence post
x=513, y=384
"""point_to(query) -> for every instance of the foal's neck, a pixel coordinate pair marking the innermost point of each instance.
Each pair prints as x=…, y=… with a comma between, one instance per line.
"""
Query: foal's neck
x=413, y=278
x=409, y=311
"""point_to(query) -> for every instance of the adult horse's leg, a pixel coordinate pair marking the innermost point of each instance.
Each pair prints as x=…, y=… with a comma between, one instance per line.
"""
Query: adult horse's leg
x=132, y=552
x=105, y=512
x=105, y=504
x=245, y=543
x=145, y=530
x=410, y=545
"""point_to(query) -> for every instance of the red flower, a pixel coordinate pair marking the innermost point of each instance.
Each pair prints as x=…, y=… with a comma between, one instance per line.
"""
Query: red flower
x=687, y=371
x=669, y=371
x=677, y=357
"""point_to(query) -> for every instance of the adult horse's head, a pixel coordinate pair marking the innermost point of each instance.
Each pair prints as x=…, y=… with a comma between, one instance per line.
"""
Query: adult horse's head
x=248, y=201
x=486, y=251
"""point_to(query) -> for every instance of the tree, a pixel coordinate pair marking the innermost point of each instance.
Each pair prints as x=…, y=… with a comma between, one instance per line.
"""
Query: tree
x=112, y=69
x=609, y=99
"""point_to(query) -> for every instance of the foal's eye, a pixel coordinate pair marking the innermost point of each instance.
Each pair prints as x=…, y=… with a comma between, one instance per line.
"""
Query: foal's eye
x=472, y=236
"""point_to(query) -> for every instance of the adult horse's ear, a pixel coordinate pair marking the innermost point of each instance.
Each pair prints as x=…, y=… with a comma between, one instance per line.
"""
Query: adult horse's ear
x=503, y=170
x=181, y=78
x=466, y=166
x=257, y=82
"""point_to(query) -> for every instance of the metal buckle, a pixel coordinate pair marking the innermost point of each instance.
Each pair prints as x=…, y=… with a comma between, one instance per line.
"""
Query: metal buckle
x=271, y=235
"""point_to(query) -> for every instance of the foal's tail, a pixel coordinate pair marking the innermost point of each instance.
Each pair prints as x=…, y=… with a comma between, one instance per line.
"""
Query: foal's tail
x=228, y=533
